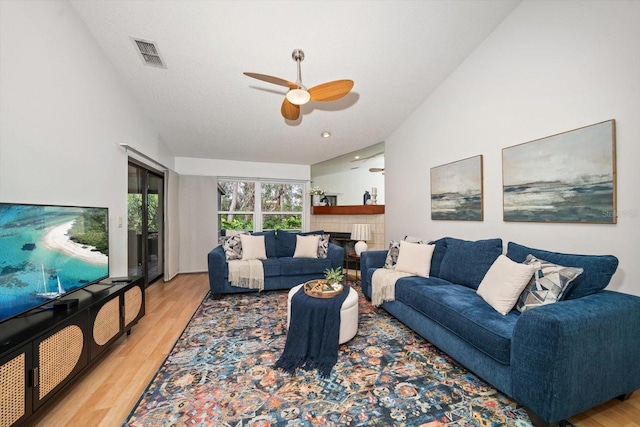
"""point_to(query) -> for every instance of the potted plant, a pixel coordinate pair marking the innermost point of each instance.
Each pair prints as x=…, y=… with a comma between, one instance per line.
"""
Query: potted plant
x=333, y=276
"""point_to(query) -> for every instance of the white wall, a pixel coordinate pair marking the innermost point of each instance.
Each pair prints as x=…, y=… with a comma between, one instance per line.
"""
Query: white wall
x=548, y=68
x=63, y=112
x=350, y=185
x=234, y=168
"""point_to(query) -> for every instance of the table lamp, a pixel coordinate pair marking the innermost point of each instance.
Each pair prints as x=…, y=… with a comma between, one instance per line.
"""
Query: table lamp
x=361, y=232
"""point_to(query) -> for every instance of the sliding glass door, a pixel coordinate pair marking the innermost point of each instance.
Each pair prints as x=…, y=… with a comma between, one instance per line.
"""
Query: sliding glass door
x=145, y=219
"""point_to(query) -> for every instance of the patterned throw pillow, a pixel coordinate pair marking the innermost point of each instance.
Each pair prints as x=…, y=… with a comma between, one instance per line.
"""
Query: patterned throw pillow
x=392, y=255
x=323, y=246
x=232, y=246
x=548, y=284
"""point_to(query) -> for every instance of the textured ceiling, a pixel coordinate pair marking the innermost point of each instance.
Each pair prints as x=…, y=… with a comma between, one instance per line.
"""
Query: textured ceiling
x=396, y=52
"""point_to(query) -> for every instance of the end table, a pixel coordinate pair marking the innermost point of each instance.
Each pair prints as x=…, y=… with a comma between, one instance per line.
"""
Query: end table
x=355, y=258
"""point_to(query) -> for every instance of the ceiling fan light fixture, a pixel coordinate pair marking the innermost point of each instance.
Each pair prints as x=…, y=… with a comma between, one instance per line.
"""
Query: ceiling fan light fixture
x=298, y=96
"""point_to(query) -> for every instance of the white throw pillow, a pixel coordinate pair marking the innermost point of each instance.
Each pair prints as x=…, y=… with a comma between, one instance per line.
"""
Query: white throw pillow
x=307, y=246
x=504, y=282
x=414, y=258
x=253, y=247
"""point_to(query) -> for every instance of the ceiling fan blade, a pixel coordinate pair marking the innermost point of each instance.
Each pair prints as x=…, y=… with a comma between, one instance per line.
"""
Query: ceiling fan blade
x=272, y=79
x=331, y=91
x=290, y=111
x=376, y=169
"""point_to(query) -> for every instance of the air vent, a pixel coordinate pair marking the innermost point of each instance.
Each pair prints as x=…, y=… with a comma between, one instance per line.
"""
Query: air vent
x=149, y=53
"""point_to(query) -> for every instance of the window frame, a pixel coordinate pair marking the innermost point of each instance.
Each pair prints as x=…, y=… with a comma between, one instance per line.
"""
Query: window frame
x=258, y=213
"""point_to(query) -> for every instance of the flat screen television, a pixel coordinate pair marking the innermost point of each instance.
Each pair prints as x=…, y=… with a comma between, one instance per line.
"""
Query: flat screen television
x=47, y=251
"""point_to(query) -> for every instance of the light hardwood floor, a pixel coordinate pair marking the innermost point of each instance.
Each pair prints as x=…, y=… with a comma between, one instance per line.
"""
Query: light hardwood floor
x=106, y=393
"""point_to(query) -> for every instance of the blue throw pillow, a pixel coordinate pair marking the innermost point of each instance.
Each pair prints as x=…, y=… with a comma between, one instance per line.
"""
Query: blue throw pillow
x=466, y=263
x=286, y=242
x=598, y=269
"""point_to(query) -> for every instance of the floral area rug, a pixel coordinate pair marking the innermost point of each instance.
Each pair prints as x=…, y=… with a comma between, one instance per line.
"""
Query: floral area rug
x=220, y=373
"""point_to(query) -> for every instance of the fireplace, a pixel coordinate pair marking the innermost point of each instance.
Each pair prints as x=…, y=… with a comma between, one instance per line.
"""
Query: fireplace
x=344, y=240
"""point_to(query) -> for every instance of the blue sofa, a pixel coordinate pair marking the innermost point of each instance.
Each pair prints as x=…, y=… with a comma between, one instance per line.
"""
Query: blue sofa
x=281, y=270
x=557, y=360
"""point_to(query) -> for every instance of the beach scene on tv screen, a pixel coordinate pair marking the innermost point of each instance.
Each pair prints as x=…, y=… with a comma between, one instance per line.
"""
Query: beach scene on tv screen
x=47, y=251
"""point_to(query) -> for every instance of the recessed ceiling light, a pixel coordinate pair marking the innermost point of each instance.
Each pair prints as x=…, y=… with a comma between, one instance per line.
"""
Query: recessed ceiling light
x=356, y=157
x=325, y=134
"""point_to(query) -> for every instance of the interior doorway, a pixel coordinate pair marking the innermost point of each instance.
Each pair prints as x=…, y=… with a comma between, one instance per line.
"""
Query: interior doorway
x=145, y=222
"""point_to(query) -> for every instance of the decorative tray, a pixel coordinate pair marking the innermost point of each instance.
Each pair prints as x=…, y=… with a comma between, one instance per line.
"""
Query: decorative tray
x=321, y=289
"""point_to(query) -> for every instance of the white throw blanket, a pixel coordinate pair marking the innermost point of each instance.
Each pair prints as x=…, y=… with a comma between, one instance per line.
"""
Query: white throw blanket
x=246, y=274
x=383, y=285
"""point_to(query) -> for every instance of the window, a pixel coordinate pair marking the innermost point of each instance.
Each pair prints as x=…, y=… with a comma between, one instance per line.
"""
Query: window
x=237, y=205
x=279, y=206
x=282, y=206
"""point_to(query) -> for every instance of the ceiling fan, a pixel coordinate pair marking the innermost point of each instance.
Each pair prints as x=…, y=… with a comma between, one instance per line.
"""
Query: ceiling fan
x=377, y=170
x=299, y=95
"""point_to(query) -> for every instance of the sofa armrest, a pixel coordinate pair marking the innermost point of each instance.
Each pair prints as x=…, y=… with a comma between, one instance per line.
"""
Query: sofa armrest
x=336, y=255
x=368, y=260
x=575, y=354
x=217, y=264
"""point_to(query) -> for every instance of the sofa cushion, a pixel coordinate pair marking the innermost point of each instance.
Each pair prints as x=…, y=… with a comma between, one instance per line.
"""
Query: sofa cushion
x=547, y=285
x=271, y=267
x=597, y=269
x=269, y=242
x=290, y=266
x=504, y=282
x=465, y=262
x=438, y=255
x=461, y=311
x=414, y=258
x=286, y=242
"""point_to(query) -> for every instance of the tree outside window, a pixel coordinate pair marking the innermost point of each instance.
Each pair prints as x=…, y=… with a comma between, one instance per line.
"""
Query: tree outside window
x=280, y=206
x=134, y=212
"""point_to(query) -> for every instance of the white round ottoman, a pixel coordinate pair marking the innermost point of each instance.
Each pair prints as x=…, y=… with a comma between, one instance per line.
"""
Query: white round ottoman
x=348, y=314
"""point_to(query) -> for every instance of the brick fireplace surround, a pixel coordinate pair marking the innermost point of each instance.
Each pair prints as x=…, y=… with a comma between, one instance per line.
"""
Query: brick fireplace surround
x=339, y=227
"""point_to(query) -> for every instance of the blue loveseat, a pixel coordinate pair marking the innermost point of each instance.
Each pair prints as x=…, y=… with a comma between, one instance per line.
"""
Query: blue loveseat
x=281, y=270
x=557, y=360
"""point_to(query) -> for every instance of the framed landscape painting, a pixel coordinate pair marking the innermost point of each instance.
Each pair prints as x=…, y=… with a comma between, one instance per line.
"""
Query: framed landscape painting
x=569, y=177
x=456, y=190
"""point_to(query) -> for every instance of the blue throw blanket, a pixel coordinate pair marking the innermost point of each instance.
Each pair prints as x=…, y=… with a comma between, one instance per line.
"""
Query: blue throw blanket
x=314, y=332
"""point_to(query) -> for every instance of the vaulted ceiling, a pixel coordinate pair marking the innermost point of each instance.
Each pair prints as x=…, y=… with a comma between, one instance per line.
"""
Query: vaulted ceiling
x=396, y=52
